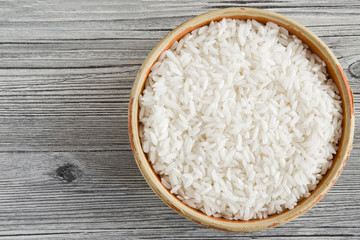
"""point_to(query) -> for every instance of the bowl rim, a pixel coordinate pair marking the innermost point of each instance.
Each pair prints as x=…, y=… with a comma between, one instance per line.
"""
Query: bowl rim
x=335, y=71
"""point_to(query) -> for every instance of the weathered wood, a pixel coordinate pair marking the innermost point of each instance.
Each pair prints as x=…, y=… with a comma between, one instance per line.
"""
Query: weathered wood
x=67, y=170
x=109, y=196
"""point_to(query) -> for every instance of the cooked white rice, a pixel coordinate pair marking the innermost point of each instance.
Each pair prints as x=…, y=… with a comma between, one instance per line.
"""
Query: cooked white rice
x=240, y=119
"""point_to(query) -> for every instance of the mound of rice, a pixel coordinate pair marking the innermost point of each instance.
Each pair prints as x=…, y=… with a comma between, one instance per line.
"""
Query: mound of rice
x=240, y=119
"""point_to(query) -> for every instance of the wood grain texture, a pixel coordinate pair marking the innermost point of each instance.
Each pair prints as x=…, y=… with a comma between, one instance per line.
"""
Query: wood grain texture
x=66, y=70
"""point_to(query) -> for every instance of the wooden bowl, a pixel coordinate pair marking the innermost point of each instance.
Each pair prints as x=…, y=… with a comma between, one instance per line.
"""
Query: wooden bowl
x=336, y=73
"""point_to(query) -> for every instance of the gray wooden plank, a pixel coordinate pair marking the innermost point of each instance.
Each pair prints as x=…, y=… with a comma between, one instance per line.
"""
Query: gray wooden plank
x=109, y=197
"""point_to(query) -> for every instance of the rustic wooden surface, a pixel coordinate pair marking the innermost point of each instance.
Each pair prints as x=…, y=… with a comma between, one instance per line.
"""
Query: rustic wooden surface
x=66, y=166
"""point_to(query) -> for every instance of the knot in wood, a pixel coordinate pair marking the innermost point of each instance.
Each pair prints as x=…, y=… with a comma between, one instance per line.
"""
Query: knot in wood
x=354, y=69
x=68, y=172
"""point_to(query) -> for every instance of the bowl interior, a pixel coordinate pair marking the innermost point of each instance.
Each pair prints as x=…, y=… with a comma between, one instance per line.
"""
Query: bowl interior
x=335, y=72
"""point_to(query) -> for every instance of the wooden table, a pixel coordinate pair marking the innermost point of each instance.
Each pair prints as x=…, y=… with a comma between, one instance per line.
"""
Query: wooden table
x=66, y=166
